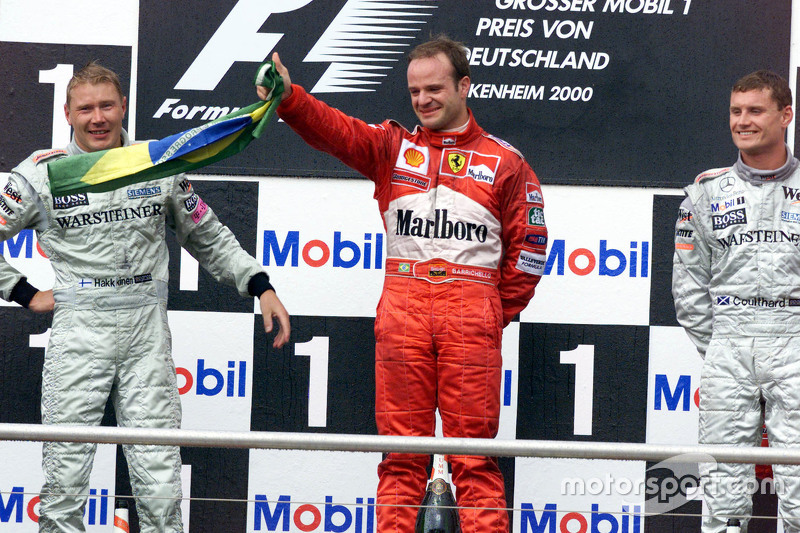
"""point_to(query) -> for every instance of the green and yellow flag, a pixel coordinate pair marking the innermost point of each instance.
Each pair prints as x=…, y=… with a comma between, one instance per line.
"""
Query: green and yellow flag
x=107, y=170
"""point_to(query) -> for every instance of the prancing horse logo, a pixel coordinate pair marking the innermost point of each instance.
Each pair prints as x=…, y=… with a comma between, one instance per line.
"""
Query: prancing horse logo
x=456, y=162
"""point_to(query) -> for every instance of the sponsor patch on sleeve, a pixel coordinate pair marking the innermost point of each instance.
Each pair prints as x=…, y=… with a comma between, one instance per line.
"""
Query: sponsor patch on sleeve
x=9, y=192
x=200, y=211
x=532, y=263
x=535, y=239
x=533, y=193
x=536, y=216
x=684, y=246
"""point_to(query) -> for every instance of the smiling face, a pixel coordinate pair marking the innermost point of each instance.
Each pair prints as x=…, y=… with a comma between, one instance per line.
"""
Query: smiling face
x=758, y=125
x=95, y=112
x=438, y=100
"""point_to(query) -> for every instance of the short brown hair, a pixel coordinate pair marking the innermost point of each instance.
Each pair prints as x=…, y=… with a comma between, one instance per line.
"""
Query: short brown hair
x=455, y=51
x=94, y=73
x=766, y=79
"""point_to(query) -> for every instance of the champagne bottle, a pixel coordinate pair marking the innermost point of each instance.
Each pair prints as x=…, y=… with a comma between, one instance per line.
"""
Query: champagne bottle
x=121, y=516
x=734, y=526
x=438, y=513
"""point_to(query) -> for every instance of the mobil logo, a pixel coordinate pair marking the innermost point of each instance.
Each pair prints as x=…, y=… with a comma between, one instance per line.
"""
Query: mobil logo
x=208, y=381
x=601, y=259
x=21, y=245
x=335, y=517
x=14, y=509
x=550, y=521
x=289, y=247
x=675, y=396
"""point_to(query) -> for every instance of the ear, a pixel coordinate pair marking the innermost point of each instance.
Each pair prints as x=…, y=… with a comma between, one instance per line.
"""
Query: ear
x=786, y=116
x=124, y=105
x=463, y=87
x=66, y=114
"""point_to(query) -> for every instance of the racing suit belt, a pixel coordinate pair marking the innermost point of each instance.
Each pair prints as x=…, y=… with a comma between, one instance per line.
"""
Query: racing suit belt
x=440, y=271
x=111, y=298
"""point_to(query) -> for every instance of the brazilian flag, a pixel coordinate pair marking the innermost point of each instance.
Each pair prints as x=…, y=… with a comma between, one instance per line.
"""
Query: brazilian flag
x=107, y=170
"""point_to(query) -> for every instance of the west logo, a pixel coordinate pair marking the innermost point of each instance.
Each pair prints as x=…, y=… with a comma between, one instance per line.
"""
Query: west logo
x=791, y=194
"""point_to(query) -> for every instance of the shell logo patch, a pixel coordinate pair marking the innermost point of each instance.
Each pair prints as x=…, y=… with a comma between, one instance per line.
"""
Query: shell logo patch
x=414, y=157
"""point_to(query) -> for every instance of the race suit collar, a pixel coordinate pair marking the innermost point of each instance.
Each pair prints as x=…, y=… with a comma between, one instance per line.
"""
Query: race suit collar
x=455, y=138
x=760, y=176
x=74, y=149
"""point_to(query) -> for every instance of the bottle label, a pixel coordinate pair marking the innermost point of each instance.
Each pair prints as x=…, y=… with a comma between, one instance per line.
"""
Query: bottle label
x=439, y=486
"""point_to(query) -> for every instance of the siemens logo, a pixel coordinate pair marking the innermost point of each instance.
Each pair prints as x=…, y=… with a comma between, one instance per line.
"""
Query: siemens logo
x=317, y=253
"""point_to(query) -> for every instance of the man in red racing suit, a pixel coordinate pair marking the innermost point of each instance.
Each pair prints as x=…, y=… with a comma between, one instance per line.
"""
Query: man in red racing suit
x=466, y=242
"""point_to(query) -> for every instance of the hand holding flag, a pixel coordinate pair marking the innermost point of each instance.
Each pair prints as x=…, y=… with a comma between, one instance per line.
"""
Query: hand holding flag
x=107, y=170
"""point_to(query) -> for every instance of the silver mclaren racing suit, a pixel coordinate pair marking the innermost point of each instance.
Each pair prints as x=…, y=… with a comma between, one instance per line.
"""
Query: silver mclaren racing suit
x=736, y=287
x=110, y=335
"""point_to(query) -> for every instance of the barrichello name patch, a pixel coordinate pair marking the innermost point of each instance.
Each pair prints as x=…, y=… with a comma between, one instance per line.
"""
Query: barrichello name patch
x=112, y=215
x=143, y=192
x=73, y=200
x=440, y=227
x=531, y=263
x=731, y=218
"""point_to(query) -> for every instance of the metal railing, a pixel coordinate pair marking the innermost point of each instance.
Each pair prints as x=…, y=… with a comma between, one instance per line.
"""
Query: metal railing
x=379, y=443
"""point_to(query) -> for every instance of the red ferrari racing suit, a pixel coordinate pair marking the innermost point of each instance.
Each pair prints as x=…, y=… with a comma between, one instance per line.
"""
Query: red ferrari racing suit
x=466, y=241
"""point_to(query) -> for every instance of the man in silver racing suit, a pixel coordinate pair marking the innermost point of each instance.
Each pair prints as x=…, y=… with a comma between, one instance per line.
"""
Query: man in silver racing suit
x=110, y=334
x=736, y=263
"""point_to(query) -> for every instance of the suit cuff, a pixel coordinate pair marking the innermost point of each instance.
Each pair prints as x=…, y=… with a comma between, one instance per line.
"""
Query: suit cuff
x=23, y=292
x=259, y=284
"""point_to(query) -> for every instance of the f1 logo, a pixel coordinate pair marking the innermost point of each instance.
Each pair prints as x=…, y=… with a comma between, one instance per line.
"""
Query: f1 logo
x=237, y=39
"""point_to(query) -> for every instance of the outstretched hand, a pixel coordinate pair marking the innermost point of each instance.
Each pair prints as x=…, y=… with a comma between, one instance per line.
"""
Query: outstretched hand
x=271, y=308
x=287, y=81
